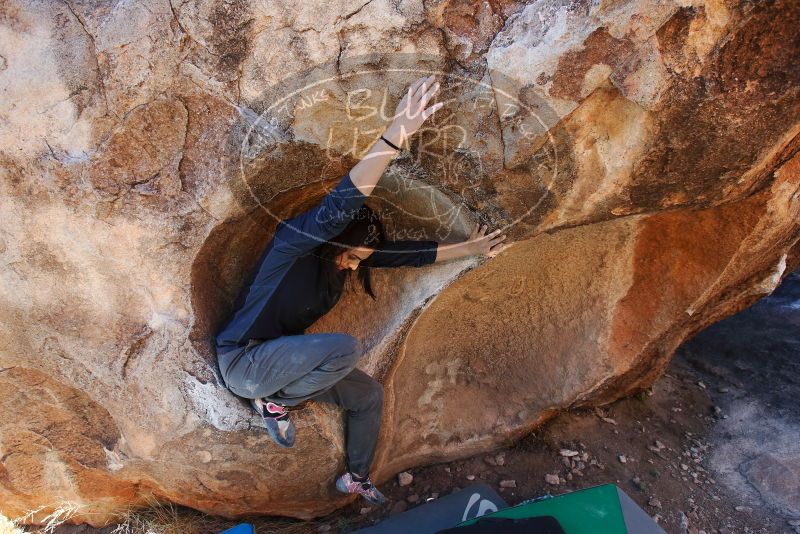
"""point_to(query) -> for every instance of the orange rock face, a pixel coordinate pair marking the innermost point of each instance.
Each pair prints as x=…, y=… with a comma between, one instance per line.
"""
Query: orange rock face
x=642, y=157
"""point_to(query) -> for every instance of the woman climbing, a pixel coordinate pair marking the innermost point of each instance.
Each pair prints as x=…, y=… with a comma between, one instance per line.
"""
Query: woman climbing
x=264, y=354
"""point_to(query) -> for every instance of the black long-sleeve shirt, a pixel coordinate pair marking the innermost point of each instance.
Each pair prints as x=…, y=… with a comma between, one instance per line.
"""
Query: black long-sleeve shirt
x=289, y=291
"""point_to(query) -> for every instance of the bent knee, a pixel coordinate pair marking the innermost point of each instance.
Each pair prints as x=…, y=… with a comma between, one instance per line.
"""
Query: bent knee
x=348, y=345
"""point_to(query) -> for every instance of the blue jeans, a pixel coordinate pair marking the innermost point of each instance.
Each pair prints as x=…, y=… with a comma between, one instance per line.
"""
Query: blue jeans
x=291, y=369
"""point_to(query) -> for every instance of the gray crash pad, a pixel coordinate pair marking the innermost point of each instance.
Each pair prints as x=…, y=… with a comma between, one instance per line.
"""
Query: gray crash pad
x=444, y=512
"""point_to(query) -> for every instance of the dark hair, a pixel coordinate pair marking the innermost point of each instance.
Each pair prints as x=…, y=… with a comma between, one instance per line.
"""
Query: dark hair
x=364, y=230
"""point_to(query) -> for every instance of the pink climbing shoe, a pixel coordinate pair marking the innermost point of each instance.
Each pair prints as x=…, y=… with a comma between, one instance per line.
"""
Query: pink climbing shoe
x=276, y=419
x=347, y=484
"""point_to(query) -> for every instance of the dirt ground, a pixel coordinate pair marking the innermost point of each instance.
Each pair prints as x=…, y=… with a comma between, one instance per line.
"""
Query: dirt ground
x=713, y=446
x=663, y=437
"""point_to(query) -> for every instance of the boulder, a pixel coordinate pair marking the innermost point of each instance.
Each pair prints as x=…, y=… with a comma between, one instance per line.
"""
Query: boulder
x=642, y=157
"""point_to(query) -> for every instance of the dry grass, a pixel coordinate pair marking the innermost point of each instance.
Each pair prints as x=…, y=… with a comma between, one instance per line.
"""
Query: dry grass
x=48, y=524
x=160, y=518
x=166, y=518
x=8, y=526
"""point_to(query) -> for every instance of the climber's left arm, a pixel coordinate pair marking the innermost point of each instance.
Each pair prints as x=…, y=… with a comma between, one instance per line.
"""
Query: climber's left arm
x=420, y=253
x=403, y=253
x=478, y=243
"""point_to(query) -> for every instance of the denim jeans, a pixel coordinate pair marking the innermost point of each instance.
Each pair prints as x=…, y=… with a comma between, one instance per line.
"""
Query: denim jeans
x=291, y=369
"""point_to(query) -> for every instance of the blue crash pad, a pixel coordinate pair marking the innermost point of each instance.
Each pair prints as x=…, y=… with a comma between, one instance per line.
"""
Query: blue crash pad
x=244, y=528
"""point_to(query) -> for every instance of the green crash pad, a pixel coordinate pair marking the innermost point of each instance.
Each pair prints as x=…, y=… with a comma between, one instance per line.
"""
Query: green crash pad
x=598, y=510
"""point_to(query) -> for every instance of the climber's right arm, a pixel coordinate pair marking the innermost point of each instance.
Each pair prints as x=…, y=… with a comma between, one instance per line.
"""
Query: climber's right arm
x=322, y=223
x=409, y=116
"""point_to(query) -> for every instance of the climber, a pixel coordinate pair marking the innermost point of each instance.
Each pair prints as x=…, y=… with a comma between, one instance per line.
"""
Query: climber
x=263, y=352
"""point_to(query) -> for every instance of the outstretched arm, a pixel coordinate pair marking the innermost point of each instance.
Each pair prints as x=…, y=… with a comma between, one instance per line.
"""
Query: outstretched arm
x=421, y=253
x=478, y=243
x=402, y=253
x=409, y=116
x=330, y=217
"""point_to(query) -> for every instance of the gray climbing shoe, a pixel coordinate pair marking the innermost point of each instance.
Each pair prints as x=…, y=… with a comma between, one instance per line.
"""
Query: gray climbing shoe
x=276, y=420
x=348, y=484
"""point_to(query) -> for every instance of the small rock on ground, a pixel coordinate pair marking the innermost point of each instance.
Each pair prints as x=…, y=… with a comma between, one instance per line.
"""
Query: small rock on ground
x=405, y=478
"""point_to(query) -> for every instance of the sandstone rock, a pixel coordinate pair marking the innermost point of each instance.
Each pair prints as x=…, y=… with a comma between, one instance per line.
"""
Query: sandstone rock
x=642, y=157
x=405, y=478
